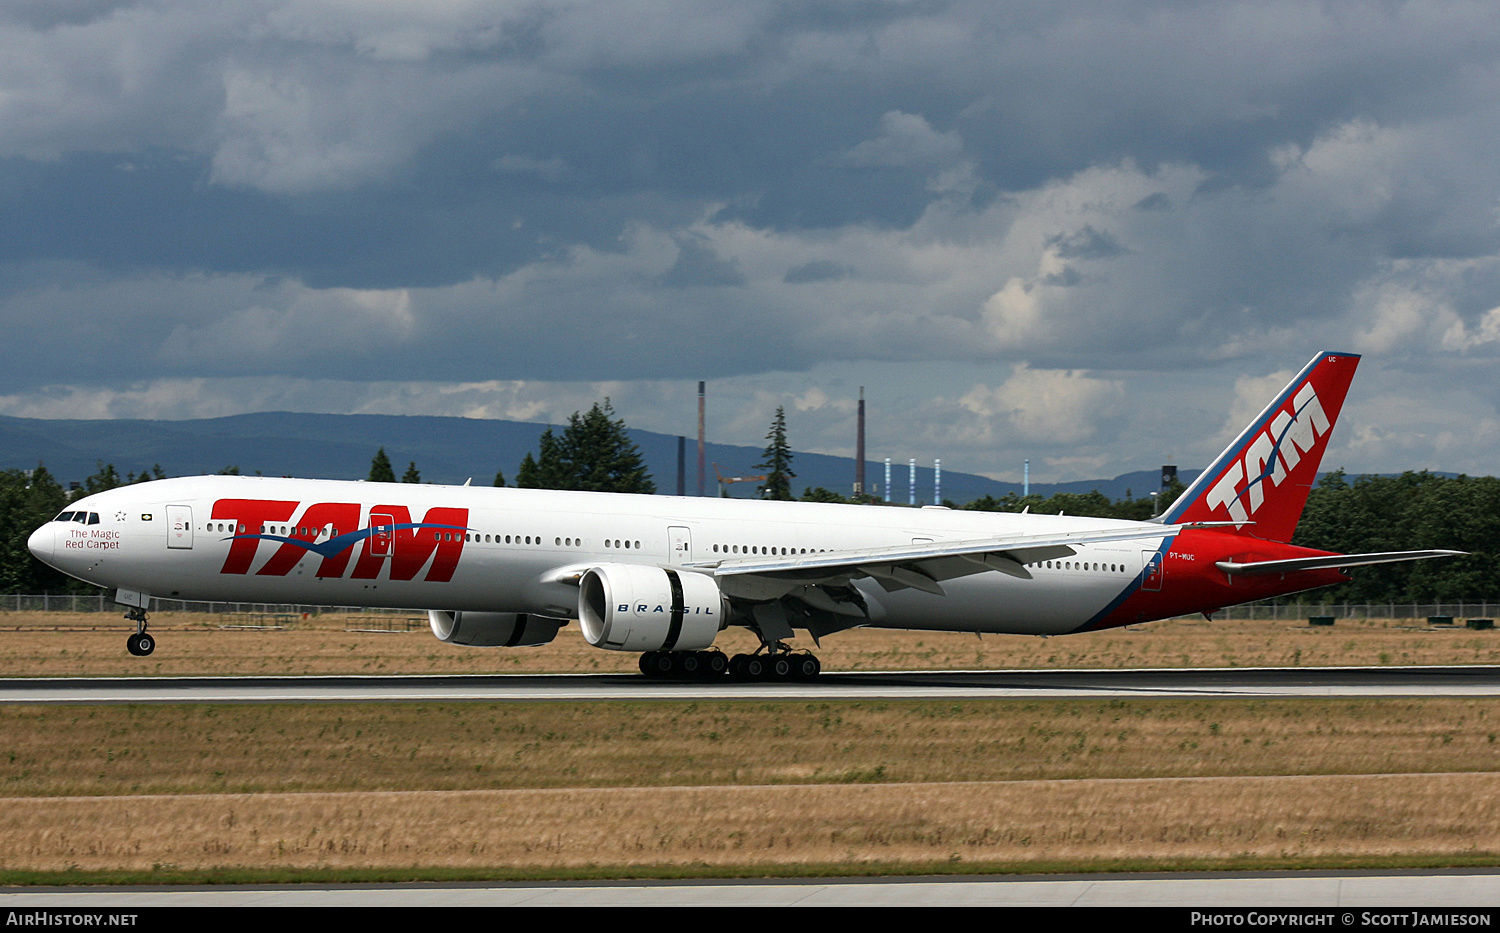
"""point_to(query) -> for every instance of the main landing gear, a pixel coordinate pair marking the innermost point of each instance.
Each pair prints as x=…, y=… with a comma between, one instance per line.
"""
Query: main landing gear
x=684, y=665
x=140, y=644
x=777, y=663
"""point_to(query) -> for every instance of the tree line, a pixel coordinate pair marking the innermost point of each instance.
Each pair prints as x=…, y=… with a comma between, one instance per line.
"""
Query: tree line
x=1413, y=511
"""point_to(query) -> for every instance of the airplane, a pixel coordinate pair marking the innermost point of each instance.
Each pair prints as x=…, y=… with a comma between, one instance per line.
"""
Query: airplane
x=662, y=576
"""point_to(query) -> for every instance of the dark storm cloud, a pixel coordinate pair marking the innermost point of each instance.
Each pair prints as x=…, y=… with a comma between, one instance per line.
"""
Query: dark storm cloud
x=819, y=270
x=697, y=265
x=1086, y=243
x=438, y=192
x=46, y=14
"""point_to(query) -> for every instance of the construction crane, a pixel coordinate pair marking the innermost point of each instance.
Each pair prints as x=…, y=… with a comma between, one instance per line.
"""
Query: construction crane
x=726, y=480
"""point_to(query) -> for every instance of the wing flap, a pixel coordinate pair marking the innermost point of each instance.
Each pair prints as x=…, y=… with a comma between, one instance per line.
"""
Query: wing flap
x=894, y=577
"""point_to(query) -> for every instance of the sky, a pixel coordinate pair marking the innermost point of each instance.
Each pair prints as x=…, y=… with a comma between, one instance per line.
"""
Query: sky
x=1094, y=236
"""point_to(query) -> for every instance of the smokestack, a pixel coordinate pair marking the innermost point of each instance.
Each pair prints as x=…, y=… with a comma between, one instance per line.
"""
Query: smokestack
x=888, y=479
x=911, y=477
x=859, y=448
x=700, y=437
x=937, y=482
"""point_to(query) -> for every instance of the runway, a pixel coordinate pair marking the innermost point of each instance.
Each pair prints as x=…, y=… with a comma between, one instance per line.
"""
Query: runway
x=1391, y=896
x=1202, y=682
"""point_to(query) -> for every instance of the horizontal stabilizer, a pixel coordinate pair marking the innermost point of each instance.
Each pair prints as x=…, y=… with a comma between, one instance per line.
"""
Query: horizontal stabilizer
x=1257, y=567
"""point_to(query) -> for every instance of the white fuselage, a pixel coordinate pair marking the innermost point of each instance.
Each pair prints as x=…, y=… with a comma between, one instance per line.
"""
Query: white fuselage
x=521, y=550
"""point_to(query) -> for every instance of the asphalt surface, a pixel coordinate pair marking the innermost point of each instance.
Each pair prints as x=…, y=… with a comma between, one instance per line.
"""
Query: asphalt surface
x=1211, y=682
x=1392, y=896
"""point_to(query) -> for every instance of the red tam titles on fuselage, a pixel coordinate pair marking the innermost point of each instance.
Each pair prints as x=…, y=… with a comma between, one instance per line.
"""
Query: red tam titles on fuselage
x=332, y=530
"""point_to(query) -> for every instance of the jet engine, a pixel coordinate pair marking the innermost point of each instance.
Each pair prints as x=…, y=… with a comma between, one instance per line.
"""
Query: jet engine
x=493, y=629
x=630, y=607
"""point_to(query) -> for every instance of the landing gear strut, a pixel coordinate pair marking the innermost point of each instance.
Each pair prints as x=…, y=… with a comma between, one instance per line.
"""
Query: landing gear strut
x=140, y=644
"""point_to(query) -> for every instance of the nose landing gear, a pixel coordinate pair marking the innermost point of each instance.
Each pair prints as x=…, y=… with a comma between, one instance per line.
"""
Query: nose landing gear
x=140, y=644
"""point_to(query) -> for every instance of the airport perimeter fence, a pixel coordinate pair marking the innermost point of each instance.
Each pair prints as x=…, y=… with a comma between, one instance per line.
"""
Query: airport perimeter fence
x=1290, y=611
x=1416, y=612
x=100, y=602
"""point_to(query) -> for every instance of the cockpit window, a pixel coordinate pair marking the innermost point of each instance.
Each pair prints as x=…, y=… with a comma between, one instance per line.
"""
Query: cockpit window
x=82, y=518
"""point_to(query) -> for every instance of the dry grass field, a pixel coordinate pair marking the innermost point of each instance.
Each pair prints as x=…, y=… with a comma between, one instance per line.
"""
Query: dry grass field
x=214, y=792
x=732, y=787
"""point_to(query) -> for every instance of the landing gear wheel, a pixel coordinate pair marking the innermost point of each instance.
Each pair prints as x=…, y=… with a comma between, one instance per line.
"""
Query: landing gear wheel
x=715, y=664
x=689, y=665
x=805, y=667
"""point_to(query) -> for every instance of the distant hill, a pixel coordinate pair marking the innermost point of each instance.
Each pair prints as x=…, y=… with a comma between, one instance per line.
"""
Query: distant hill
x=445, y=450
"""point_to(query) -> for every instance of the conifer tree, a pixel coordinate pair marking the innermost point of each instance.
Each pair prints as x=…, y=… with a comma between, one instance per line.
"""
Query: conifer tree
x=412, y=474
x=594, y=453
x=547, y=470
x=777, y=461
x=526, y=473
x=105, y=477
x=380, y=468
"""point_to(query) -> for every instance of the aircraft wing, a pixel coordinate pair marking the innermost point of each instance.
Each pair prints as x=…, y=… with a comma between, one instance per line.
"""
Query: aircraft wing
x=1257, y=567
x=920, y=566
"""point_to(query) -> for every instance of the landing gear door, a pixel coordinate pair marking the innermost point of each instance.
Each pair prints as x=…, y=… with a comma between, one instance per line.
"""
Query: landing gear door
x=180, y=526
x=680, y=542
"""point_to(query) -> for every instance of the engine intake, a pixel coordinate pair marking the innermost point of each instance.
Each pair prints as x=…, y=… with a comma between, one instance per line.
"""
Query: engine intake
x=630, y=607
x=493, y=629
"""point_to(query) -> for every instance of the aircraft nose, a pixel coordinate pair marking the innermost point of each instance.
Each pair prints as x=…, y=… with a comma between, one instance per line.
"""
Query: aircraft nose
x=41, y=543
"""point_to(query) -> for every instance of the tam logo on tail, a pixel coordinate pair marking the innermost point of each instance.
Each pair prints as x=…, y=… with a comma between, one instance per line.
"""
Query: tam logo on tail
x=1261, y=481
x=1270, y=457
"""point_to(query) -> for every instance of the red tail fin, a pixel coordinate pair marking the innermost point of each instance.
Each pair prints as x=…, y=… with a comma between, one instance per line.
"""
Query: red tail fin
x=1263, y=478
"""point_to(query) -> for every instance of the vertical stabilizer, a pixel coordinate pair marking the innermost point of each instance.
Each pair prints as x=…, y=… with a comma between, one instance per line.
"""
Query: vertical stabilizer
x=1261, y=481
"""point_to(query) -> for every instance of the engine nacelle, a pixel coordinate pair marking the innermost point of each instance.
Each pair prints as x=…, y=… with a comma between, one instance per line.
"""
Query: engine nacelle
x=629, y=607
x=493, y=629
